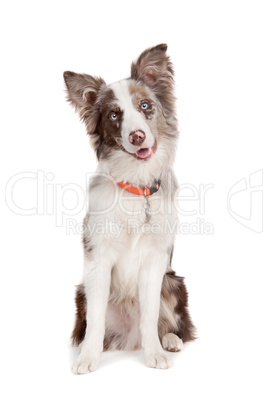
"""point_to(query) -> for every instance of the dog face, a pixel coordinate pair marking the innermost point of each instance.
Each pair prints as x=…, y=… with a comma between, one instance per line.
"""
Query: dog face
x=125, y=119
x=130, y=115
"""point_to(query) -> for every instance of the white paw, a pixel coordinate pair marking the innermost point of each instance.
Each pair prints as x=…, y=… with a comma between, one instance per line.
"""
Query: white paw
x=172, y=343
x=84, y=365
x=158, y=360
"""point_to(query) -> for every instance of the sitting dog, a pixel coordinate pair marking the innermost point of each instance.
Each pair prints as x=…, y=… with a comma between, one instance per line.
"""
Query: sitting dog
x=130, y=297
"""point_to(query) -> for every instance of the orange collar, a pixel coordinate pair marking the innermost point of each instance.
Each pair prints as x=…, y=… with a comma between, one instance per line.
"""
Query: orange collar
x=141, y=191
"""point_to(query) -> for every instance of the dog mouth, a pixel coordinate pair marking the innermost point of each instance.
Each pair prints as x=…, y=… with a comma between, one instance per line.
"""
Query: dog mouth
x=146, y=153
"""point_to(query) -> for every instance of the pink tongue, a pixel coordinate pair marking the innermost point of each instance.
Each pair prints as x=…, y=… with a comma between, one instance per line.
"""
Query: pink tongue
x=143, y=153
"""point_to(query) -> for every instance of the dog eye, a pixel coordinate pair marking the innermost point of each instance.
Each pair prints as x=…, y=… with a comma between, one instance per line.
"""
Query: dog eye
x=113, y=116
x=144, y=105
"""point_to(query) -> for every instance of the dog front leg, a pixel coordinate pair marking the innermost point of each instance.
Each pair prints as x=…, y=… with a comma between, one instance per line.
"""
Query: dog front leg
x=97, y=278
x=150, y=282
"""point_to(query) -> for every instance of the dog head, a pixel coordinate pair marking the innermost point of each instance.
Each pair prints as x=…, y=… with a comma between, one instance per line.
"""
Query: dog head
x=132, y=115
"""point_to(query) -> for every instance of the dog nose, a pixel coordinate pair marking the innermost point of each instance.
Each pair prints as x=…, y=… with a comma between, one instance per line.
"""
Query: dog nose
x=136, y=137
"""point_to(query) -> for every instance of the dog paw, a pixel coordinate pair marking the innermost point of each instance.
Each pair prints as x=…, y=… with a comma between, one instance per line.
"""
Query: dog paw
x=172, y=343
x=85, y=365
x=158, y=360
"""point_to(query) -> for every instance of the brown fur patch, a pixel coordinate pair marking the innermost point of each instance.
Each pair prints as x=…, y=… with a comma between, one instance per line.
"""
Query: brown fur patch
x=108, y=131
x=139, y=95
x=81, y=311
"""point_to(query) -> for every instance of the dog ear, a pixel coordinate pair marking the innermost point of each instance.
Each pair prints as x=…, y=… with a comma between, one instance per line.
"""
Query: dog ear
x=82, y=92
x=155, y=69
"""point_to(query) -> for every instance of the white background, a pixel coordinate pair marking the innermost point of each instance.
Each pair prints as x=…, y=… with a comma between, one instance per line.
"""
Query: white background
x=219, y=49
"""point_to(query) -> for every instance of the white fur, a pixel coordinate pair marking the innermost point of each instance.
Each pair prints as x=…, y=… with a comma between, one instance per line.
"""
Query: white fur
x=149, y=287
x=97, y=275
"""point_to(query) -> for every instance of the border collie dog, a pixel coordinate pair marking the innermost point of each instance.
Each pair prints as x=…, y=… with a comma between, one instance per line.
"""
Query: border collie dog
x=130, y=297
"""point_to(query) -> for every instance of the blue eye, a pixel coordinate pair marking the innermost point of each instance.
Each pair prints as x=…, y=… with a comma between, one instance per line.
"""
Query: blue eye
x=113, y=116
x=144, y=105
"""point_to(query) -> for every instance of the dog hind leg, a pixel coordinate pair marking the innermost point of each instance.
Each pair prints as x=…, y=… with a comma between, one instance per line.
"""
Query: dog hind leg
x=175, y=325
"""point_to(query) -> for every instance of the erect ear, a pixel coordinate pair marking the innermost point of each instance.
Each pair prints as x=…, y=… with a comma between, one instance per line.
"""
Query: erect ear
x=82, y=94
x=151, y=65
x=155, y=69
